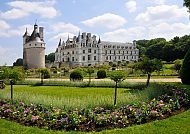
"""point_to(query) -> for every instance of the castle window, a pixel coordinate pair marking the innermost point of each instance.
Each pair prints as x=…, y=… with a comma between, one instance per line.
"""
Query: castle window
x=123, y=52
x=73, y=59
x=95, y=51
x=88, y=57
x=110, y=57
x=89, y=50
x=73, y=52
x=63, y=59
x=110, y=51
x=124, y=57
x=83, y=51
x=127, y=52
x=41, y=45
x=126, y=47
x=35, y=44
x=94, y=57
x=119, y=52
x=29, y=44
x=106, y=57
x=83, y=58
x=63, y=53
x=119, y=57
x=67, y=52
x=106, y=51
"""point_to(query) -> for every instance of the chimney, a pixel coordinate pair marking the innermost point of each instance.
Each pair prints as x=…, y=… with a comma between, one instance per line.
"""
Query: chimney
x=41, y=32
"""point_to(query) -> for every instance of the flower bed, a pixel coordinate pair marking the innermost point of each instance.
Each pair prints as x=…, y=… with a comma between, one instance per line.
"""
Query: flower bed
x=98, y=118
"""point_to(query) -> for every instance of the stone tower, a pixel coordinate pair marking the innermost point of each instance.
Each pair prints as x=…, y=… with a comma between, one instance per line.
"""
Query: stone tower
x=34, y=49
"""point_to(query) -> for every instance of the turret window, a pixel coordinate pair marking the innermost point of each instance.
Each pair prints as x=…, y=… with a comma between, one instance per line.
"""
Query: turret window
x=83, y=58
x=83, y=51
x=95, y=51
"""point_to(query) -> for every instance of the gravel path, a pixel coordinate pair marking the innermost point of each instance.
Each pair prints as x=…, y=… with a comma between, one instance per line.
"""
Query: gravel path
x=127, y=80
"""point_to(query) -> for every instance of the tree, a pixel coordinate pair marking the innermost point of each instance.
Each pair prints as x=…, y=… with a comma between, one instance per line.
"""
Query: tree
x=184, y=71
x=76, y=75
x=12, y=75
x=89, y=71
x=50, y=58
x=101, y=74
x=148, y=66
x=117, y=77
x=44, y=74
x=177, y=65
x=19, y=62
x=187, y=4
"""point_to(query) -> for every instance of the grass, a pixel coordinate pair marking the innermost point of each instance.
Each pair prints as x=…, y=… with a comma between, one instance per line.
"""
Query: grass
x=179, y=124
x=73, y=97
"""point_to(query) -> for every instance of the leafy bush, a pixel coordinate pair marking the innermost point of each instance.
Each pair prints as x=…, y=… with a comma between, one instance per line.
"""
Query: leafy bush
x=101, y=74
x=45, y=73
x=76, y=75
x=184, y=71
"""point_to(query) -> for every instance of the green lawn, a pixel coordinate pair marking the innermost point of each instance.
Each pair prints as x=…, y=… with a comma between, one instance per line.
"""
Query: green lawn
x=72, y=97
x=179, y=124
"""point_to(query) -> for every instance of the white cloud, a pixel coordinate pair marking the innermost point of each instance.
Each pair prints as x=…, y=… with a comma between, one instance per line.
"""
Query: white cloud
x=125, y=35
x=13, y=14
x=22, y=9
x=157, y=2
x=169, y=31
x=131, y=5
x=4, y=25
x=161, y=13
x=10, y=32
x=107, y=20
x=63, y=36
x=65, y=27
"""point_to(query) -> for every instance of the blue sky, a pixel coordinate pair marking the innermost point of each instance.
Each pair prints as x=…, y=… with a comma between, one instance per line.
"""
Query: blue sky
x=112, y=20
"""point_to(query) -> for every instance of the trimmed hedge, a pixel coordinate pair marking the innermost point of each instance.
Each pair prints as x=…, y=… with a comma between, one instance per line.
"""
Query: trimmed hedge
x=101, y=74
x=185, y=69
x=76, y=75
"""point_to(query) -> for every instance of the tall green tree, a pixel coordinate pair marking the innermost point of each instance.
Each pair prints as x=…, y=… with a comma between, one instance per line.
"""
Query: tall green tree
x=117, y=77
x=185, y=69
x=148, y=66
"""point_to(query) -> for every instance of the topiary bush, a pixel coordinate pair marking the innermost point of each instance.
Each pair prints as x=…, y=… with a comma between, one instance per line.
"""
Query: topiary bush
x=101, y=74
x=76, y=75
x=185, y=69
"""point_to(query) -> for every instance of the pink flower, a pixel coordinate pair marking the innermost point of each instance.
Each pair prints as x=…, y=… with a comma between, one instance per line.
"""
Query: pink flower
x=34, y=118
x=8, y=111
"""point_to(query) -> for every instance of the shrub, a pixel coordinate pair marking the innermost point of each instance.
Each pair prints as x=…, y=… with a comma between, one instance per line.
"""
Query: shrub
x=45, y=73
x=184, y=71
x=76, y=75
x=101, y=74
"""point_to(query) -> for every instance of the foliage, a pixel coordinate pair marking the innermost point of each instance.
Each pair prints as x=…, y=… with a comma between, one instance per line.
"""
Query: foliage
x=177, y=64
x=101, y=74
x=89, y=70
x=45, y=73
x=50, y=58
x=148, y=66
x=184, y=71
x=12, y=74
x=187, y=4
x=76, y=75
x=19, y=62
x=97, y=118
x=116, y=76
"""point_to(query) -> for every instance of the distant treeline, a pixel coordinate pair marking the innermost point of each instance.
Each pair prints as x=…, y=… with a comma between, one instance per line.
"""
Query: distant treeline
x=164, y=50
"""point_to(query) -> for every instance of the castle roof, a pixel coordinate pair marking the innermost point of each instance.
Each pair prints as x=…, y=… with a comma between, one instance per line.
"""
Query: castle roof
x=35, y=36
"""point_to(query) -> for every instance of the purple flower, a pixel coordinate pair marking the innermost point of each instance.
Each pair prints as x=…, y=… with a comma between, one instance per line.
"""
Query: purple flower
x=21, y=103
x=65, y=119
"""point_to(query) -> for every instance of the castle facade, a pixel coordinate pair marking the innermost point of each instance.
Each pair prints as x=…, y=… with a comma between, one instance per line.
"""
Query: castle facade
x=34, y=49
x=86, y=50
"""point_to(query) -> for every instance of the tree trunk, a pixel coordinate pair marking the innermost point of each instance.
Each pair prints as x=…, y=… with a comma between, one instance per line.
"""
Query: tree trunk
x=148, y=80
x=89, y=80
x=42, y=78
x=11, y=91
x=115, y=94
